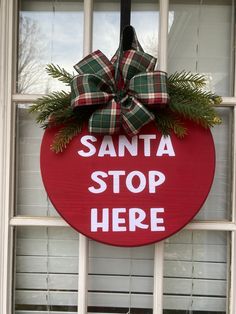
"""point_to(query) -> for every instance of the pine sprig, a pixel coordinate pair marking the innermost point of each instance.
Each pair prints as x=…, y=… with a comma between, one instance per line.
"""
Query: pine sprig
x=65, y=135
x=194, y=104
x=61, y=74
x=166, y=122
x=203, y=115
x=56, y=99
x=72, y=122
x=47, y=105
x=186, y=79
x=57, y=118
x=191, y=94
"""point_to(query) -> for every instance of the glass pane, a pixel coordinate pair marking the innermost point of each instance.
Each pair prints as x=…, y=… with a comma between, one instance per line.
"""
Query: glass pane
x=196, y=271
x=200, y=40
x=46, y=275
x=146, y=14
x=218, y=205
x=49, y=32
x=106, y=31
x=120, y=279
x=106, y=26
x=31, y=197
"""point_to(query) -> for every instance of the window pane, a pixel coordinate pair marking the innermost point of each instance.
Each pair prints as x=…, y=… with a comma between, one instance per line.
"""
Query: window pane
x=146, y=14
x=31, y=197
x=120, y=278
x=106, y=31
x=218, y=205
x=200, y=40
x=49, y=32
x=46, y=277
x=106, y=26
x=195, y=271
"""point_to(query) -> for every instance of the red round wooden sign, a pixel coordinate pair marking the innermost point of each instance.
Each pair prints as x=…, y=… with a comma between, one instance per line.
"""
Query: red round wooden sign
x=129, y=191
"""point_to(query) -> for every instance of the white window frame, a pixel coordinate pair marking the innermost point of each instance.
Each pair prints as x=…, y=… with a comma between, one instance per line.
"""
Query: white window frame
x=8, y=99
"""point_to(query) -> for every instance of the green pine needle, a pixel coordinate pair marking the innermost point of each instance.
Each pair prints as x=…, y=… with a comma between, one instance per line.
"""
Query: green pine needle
x=56, y=99
x=194, y=104
x=61, y=74
x=188, y=79
x=202, y=114
x=64, y=136
x=58, y=118
x=47, y=105
x=167, y=122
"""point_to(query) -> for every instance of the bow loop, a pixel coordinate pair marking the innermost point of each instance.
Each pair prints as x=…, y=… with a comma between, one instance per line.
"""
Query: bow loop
x=106, y=120
x=97, y=63
x=135, y=116
x=150, y=88
x=132, y=115
x=135, y=62
x=89, y=89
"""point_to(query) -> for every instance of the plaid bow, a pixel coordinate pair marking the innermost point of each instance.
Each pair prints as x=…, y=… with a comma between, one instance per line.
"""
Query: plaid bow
x=123, y=88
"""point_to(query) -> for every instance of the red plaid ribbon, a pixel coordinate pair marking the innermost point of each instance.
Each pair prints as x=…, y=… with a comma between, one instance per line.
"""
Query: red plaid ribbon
x=122, y=88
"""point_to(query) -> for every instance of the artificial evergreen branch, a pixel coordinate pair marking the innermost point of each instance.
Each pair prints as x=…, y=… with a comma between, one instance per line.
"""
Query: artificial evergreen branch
x=57, y=100
x=58, y=118
x=188, y=79
x=61, y=74
x=65, y=135
x=195, y=105
x=192, y=94
x=203, y=115
x=47, y=105
x=166, y=122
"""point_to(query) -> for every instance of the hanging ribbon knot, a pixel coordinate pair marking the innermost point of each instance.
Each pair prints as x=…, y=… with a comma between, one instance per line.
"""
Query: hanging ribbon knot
x=123, y=88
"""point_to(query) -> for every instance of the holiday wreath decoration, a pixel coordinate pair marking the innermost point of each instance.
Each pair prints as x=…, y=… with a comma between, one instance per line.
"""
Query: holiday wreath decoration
x=126, y=92
x=123, y=174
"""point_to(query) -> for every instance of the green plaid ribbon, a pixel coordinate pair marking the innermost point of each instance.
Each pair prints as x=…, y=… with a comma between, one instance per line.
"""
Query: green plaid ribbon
x=122, y=89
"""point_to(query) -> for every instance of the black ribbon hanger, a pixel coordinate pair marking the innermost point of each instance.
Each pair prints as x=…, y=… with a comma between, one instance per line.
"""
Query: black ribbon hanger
x=125, y=14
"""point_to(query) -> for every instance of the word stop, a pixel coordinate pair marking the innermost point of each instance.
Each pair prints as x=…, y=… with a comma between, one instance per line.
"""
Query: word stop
x=135, y=181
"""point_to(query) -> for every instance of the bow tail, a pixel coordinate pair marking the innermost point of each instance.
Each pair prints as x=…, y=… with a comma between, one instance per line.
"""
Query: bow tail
x=134, y=116
x=106, y=120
